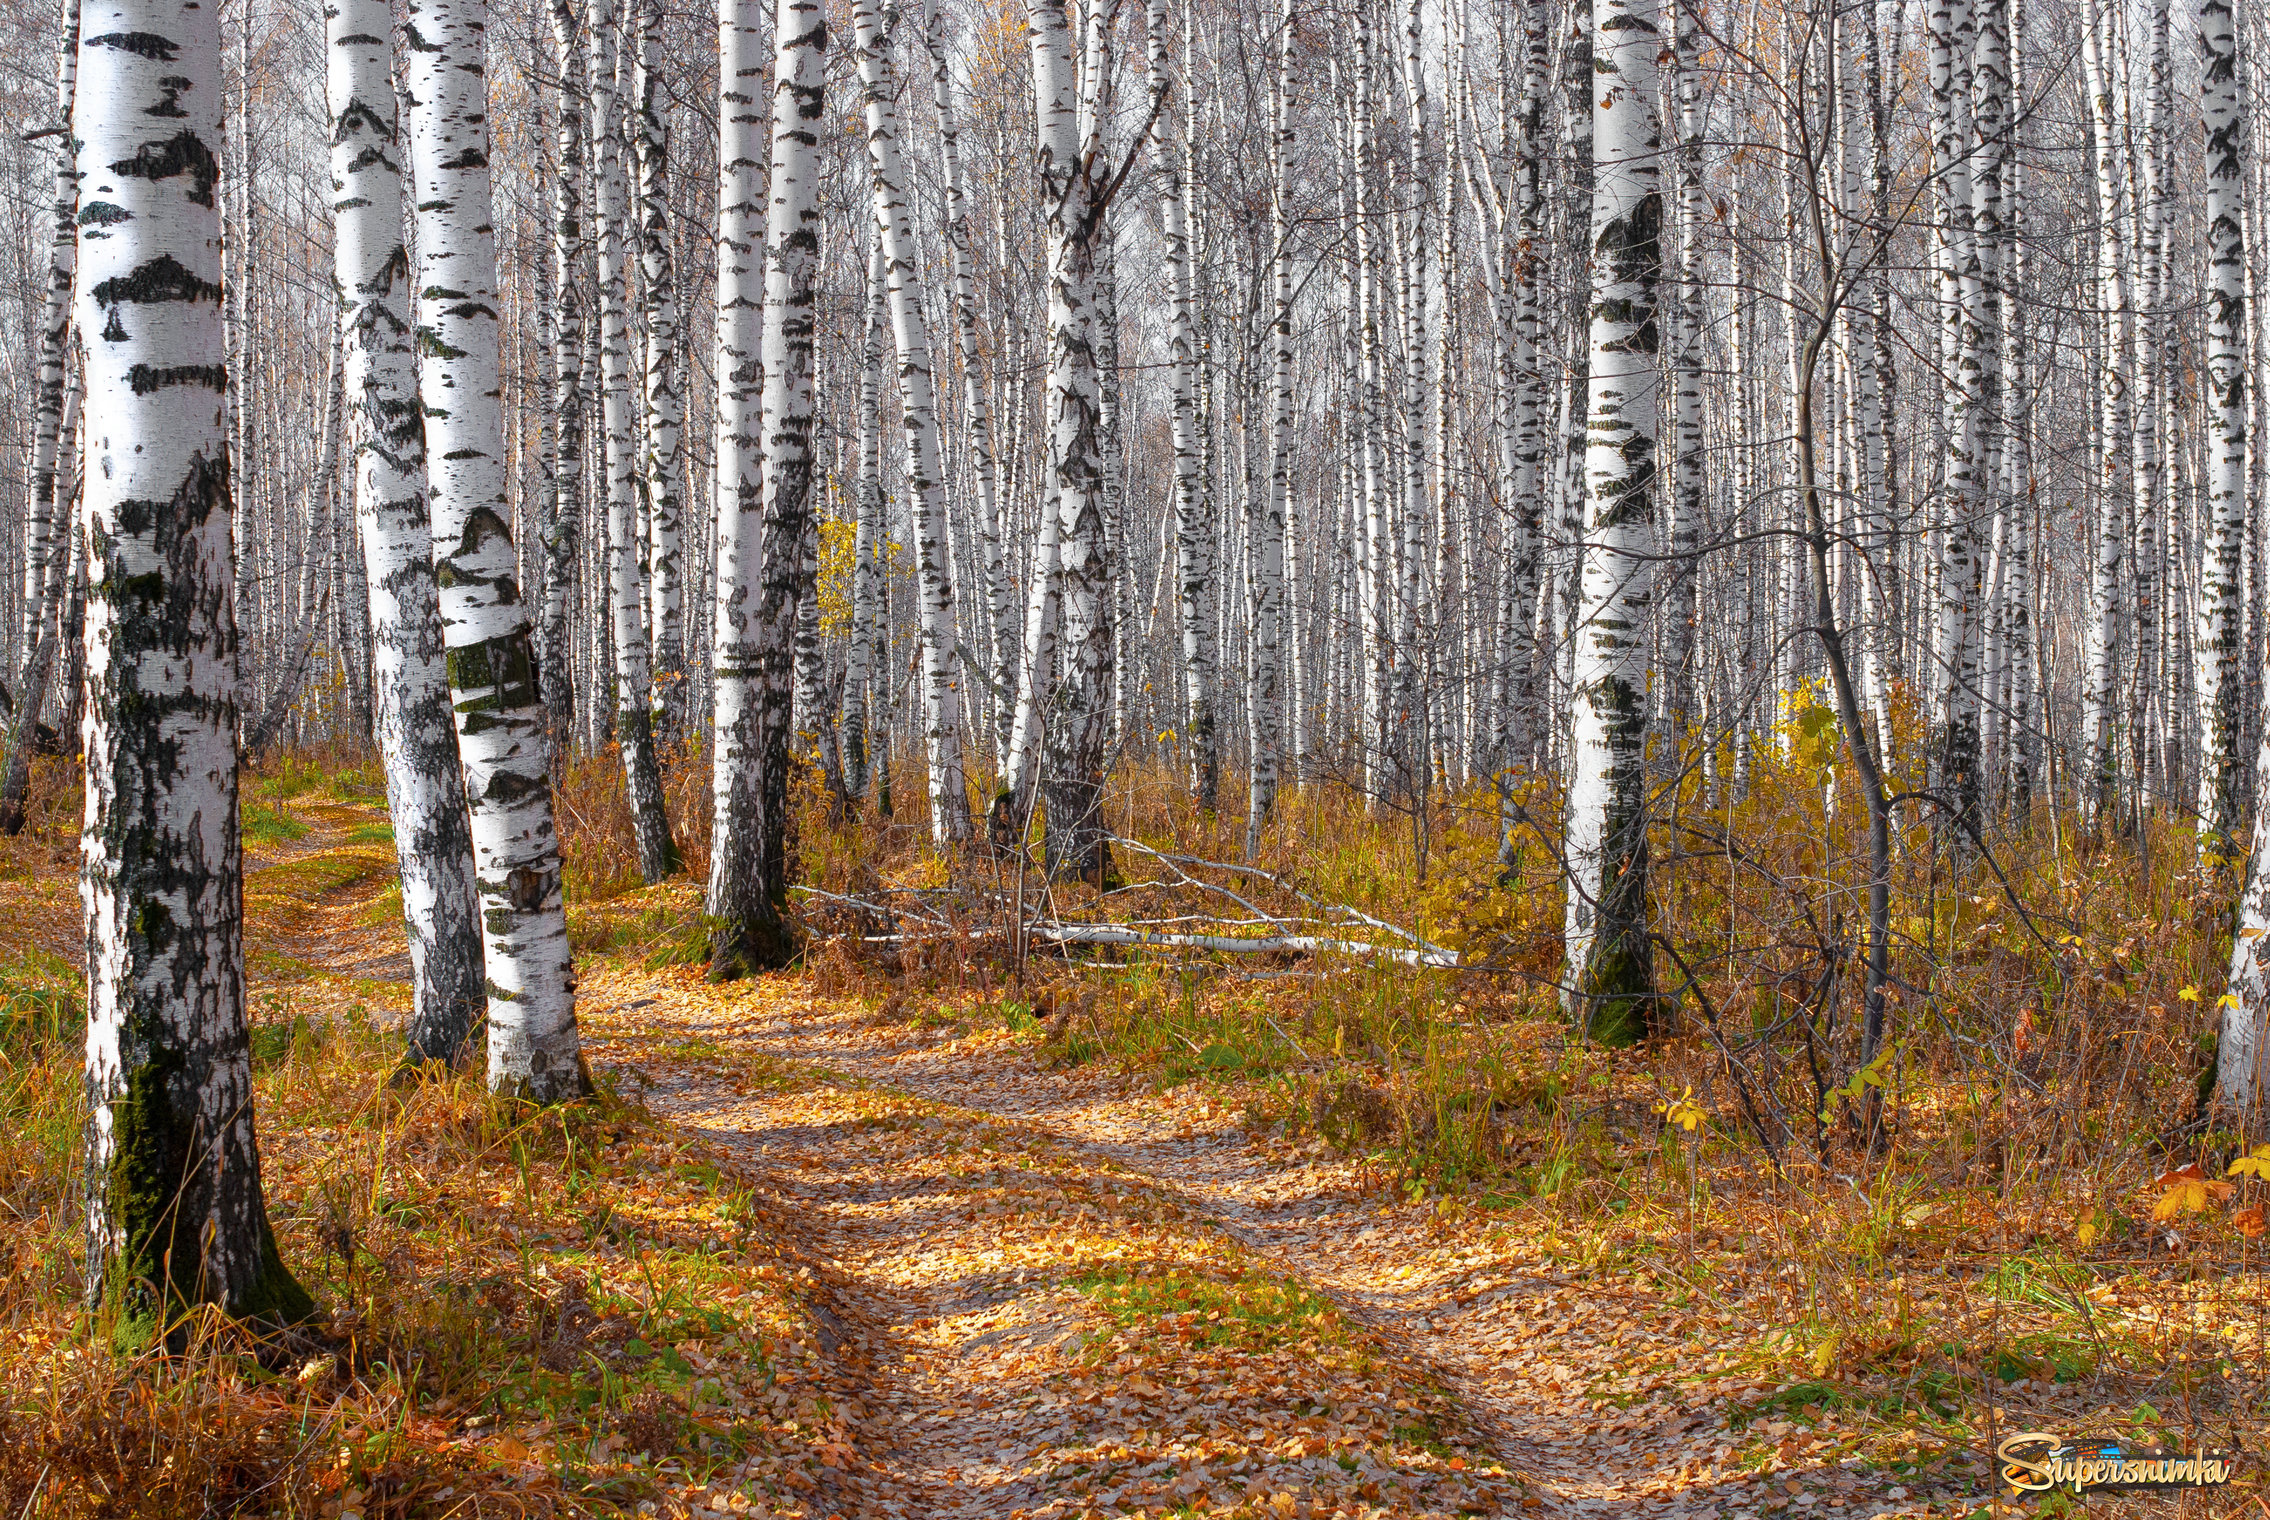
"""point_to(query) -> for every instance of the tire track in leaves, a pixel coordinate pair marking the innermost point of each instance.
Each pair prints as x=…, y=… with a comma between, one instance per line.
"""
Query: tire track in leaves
x=1535, y=1360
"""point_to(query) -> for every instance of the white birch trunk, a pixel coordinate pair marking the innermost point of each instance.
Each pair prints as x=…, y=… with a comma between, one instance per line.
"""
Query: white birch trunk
x=764, y=466
x=425, y=786
x=1074, y=180
x=941, y=653
x=563, y=532
x=2221, y=613
x=533, y=1048
x=626, y=544
x=859, y=654
x=174, y=1209
x=977, y=416
x=1192, y=561
x=2100, y=681
x=1269, y=572
x=1608, y=981
x=665, y=400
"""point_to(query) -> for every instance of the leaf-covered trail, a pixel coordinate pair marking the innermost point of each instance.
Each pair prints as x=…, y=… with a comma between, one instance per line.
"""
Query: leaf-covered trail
x=958, y=1259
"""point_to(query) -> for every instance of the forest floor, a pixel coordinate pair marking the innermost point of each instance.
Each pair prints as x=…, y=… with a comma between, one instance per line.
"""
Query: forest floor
x=817, y=1253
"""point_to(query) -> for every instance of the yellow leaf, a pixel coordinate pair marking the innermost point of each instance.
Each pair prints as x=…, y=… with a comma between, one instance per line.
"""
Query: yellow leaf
x=2256, y=1163
x=2229, y=1000
x=2189, y=994
x=2186, y=1190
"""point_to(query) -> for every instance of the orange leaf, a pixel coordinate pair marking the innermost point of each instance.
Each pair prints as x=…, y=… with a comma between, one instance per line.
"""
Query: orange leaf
x=2249, y=1221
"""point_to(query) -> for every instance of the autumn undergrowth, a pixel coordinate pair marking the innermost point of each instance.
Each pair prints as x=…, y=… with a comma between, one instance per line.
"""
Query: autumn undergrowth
x=521, y=1312
x=517, y=1307
x=2044, y=1214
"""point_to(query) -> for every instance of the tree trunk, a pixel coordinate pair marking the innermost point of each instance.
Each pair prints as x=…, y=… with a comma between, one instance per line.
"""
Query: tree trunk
x=425, y=788
x=665, y=400
x=534, y=1051
x=562, y=536
x=2221, y=621
x=175, y=1212
x=626, y=545
x=767, y=470
x=925, y=484
x=1609, y=984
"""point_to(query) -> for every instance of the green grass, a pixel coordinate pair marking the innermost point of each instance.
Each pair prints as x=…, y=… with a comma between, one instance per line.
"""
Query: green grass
x=371, y=833
x=42, y=1002
x=265, y=823
x=1249, y=1312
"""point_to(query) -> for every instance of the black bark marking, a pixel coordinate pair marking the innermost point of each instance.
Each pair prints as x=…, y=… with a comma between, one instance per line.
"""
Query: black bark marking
x=183, y=153
x=141, y=44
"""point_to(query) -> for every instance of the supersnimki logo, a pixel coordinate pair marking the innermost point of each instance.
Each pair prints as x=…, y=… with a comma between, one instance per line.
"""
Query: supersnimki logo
x=2036, y=1462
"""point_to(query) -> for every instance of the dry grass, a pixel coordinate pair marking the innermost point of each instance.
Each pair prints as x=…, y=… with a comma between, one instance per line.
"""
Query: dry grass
x=2000, y=1252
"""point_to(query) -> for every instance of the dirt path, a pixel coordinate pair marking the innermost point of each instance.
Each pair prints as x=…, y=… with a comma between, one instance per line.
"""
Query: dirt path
x=1516, y=1346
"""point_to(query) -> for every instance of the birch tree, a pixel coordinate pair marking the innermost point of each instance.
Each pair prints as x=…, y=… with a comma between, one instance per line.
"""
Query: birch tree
x=425, y=787
x=502, y=740
x=1608, y=981
x=2221, y=621
x=665, y=400
x=925, y=475
x=765, y=462
x=1269, y=555
x=565, y=323
x=626, y=544
x=174, y=1207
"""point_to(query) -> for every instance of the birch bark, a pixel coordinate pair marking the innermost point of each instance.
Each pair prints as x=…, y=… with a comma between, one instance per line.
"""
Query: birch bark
x=2221, y=620
x=925, y=482
x=562, y=535
x=174, y=1208
x=665, y=399
x=626, y=544
x=2100, y=682
x=1269, y=573
x=1608, y=982
x=534, y=1052
x=425, y=786
x=765, y=463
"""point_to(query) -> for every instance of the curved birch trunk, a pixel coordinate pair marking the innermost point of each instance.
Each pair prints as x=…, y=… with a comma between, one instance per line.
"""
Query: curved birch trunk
x=174, y=1208
x=764, y=468
x=626, y=545
x=925, y=483
x=425, y=786
x=534, y=1052
x=1609, y=984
